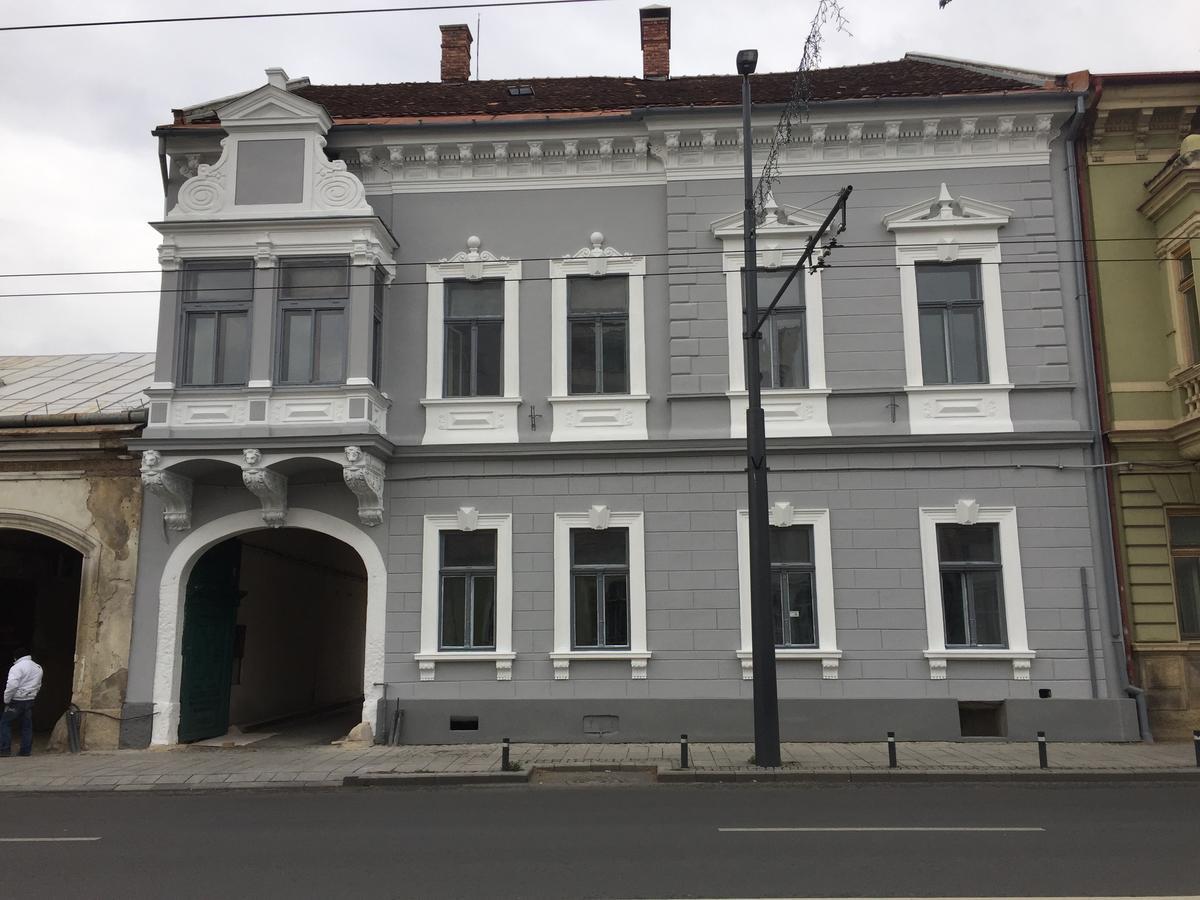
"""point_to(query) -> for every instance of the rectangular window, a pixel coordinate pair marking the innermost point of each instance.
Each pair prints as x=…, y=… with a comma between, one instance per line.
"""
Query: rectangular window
x=217, y=295
x=313, y=296
x=1186, y=287
x=600, y=588
x=793, y=586
x=783, y=348
x=468, y=590
x=474, y=353
x=972, y=585
x=598, y=334
x=950, y=314
x=377, y=289
x=1185, y=560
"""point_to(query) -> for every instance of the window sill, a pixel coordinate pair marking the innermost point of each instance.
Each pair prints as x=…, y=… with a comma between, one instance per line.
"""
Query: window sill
x=830, y=660
x=1021, y=660
x=959, y=408
x=427, y=662
x=599, y=417
x=470, y=420
x=637, y=661
x=788, y=412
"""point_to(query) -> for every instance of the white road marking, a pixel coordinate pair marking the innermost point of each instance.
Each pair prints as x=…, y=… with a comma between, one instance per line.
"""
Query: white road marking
x=856, y=829
x=46, y=840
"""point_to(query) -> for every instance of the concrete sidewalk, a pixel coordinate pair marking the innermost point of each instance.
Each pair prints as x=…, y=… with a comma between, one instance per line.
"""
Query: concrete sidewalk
x=331, y=766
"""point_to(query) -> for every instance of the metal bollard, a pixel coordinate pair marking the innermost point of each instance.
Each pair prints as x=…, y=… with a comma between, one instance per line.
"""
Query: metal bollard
x=1196, y=744
x=504, y=763
x=1043, y=761
x=892, y=750
x=683, y=751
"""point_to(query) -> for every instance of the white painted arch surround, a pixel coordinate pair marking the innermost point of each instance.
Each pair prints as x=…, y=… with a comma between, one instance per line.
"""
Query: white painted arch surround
x=173, y=591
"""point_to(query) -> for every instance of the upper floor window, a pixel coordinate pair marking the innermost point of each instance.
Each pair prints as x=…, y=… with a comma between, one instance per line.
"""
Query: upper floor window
x=217, y=295
x=474, y=335
x=598, y=340
x=793, y=588
x=783, y=348
x=468, y=590
x=1185, y=560
x=1185, y=288
x=972, y=585
x=600, y=588
x=950, y=308
x=377, y=290
x=314, y=293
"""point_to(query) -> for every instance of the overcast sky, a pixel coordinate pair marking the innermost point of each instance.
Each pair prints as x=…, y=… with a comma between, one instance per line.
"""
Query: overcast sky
x=79, y=176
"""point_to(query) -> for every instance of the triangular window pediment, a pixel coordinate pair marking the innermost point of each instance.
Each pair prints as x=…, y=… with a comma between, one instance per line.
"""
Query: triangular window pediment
x=946, y=210
x=776, y=220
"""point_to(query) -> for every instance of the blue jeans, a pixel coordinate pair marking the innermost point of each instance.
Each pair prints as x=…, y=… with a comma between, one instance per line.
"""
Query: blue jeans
x=17, y=710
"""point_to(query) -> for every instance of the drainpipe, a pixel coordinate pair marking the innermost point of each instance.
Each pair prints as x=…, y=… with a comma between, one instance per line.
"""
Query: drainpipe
x=1101, y=484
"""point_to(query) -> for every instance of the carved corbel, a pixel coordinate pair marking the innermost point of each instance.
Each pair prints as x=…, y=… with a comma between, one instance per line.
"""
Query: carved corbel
x=535, y=157
x=1141, y=146
x=431, y=158
x=1041, y=130
x=269, y=486
x=174, y=490
x=854, y=136
x=637, y=669
x=829, y=667
x=929, y=133
x=1021, y=669
x=818, y=141
x=606, y=154
x=937, y=668
x=466, y=154
x=641, y=147
x=504, y=669
x=891, y=137
x=562, y=669
x=1004, y=132
x=363, y=474
x=396, y=159
x=598, y=518
x=500, y=155
x=468, y=518
x=782, y=514
x=966, y=512
x=747, y=668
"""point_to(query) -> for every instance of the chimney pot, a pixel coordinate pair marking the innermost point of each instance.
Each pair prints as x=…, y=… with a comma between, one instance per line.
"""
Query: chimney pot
x=456, y=53
x=656, y=42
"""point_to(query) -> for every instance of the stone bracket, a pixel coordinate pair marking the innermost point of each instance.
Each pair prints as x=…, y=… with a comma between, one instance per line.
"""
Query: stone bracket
x=174, y=490
x=269, y=486
x=364, y=475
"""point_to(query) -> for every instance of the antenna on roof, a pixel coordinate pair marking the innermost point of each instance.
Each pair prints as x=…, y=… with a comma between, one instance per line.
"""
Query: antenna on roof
x=478, y=41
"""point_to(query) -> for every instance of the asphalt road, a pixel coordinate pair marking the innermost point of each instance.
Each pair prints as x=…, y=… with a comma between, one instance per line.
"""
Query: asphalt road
x=613, y=841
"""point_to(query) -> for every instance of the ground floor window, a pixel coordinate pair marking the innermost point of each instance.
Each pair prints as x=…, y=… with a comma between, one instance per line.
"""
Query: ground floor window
x=1185, y=561
x=468, y=590
x=600, y=588
x=793, y=589
x=972, y=588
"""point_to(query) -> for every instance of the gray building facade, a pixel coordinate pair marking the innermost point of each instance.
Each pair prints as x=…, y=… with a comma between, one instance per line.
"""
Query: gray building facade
x=480, y=377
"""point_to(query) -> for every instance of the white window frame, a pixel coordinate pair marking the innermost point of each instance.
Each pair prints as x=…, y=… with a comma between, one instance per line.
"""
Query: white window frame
x=946, y=229
x=968, y=512
x=782, y=236
x=598, y=417
x=467, y=518
x=599, y=518
x=471, y=420
x=783, y=515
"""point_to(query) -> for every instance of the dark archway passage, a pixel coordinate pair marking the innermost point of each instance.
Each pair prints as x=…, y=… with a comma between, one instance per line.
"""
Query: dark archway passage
x=39, y=610
x=273, y=637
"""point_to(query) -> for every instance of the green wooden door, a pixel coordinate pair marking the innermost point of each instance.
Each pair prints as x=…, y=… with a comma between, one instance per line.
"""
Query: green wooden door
x=209, y=628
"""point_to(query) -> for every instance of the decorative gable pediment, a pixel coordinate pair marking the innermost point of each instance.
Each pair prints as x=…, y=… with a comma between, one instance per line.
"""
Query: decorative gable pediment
x=945, y=211
x=271, y=105
x=777, y=221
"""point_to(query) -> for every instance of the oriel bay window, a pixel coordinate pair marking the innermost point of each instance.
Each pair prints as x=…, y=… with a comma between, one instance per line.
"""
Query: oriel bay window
x=600, y=588
x=468, y=590
x=1185, y=287
x=314, y=293
x=1185, y=561
x=783, y=348
x=598, y=334
x=793, y=589
x=215, y=333
x=950, y=311
x=972, y=585
x=474, y=329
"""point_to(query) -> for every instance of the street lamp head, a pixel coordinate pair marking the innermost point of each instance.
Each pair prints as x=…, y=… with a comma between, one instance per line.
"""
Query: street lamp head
x=747, y=62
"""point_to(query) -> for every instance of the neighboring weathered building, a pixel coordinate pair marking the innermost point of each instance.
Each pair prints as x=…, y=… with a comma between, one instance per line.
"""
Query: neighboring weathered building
x=70, y=517
x=1141, y=192
x=484, y=338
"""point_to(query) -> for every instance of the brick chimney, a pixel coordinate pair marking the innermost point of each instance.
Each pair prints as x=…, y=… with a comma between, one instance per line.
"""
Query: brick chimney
x=456, y=53
x=656, y=42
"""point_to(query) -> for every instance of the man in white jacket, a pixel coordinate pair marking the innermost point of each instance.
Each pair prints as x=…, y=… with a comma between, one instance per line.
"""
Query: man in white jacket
x=24, y=682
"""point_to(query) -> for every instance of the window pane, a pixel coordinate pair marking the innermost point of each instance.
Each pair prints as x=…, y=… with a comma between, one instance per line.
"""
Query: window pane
x=489, y=359
x=616, y=611
x=223, y=280
x=201, y=348
x=609, y=294
x=235, y=347
x=968, y=543
x=583, y=357
x=483, y=623
x=1187, y=592
x=331, y=344
x=609, y=547
x=458, y=359
x=793, y=372
x=475, y=299
x=314, y=278
x=802, y=632
x=468, y=548
x=1185, y=531
x=987, y=608
x=954, y=604
x=769, y=283
x=778, y=586
x=377, y=346
x=966, y=342
x=941, y=282
x=1186, y=272
x=1193, y=316
x=933, y=346
x=454, y=609
x=584, y=602
x=613, y=348
x=791, y=545
x=297, y=345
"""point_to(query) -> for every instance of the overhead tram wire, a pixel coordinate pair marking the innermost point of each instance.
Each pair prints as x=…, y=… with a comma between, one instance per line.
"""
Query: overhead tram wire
x=497, y=4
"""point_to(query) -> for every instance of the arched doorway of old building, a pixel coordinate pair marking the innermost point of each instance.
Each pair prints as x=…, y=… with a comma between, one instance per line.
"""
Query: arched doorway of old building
x=40, y=582
x=274, y=625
